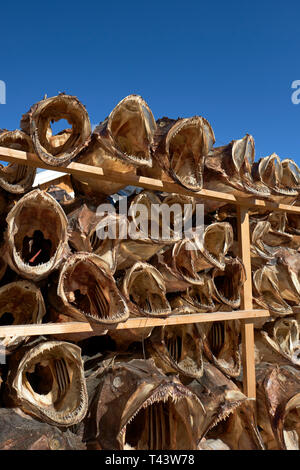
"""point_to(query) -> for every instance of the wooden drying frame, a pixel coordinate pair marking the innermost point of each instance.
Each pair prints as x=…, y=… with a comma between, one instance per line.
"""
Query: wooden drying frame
x=246, y=316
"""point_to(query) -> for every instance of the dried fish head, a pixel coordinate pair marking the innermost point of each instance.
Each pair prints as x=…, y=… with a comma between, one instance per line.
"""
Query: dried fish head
x=218, y=394
x=36, y=236
x=228, y=283
x=221, y=345
x=47, y=381
x=184, y=144
x=267, y=293
x=177, y=349
x=14, y=178
x=37, y=121
x=278, y=399
x=144, y=287
x=21, y=303
x=89, y=292
x=138, y=407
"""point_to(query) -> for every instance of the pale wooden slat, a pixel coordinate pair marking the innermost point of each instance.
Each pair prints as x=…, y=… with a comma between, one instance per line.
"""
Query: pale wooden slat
x=79, y=327
x=247, y=326
x=87, y=171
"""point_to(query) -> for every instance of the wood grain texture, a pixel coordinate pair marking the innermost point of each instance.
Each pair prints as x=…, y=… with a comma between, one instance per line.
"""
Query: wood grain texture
x=87, y=171
x=142, y=322
x=247, y=326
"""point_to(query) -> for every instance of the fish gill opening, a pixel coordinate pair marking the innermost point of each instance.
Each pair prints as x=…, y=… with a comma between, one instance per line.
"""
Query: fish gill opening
x=216, y=337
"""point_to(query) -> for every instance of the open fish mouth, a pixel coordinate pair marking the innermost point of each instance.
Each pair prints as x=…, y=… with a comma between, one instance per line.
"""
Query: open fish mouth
x=219, y=395
x=51, y=149
x=36, y=236
x=21, y=303
x=136, y=406
x=206, y=251
x=187, y=142
x=229, y=168
x=16, y=178
x=158, y=424
x=144, y=287
x=47, y=381
x=286, y=333
x=228, y=283
x=283, y=337
x=89, y=292
x=290, y=174
x=150, y=221
x=269, y=171
x=267, y=292
x=279, y=406
x=177, y=349
x=129, y=131
x=221, y=345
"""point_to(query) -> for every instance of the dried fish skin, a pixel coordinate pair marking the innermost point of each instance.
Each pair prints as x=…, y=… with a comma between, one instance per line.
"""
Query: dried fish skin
x=89, y=292
x=138, y=407
x=36, y=237
x=177, y=349
x=36, y=123
x=228, y=169
x=46, y=380
x=21, y=432
x=145, y=291
x=268, y=170
x=97, y=233
x=219, y=395
x=180, y=148
x=14, y=178
x=21, y=303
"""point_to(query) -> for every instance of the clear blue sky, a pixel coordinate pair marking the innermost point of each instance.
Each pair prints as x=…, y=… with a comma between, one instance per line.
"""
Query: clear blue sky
x=232, y=62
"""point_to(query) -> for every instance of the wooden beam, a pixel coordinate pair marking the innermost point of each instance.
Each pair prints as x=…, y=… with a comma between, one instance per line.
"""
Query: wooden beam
x=88, y=171
x=142, y=322
x=247, y=326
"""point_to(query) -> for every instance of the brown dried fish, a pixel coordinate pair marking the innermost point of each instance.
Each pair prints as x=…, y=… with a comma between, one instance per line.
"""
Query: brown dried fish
x=138, y=407
x=278, y=404
x=46, y=380
x=221, y=342
x=36, y=235
x=145, y=291
x=180, y=148
x=88, y=290
x=219, y=396
x=177, y=349
x=15, y=178
x=120, y=143
x=21, y=303
x=20, y=432
x=228, y=283
x=36, y=123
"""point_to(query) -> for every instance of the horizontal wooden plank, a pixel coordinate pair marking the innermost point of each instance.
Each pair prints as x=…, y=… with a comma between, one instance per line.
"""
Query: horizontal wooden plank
x=80, y=327
x=87, y=171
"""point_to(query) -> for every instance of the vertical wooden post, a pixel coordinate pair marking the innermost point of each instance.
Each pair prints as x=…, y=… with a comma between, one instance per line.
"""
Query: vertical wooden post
x=247, y=326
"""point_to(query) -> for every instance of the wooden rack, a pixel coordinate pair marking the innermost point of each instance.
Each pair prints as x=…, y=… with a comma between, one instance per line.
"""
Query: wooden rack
x=247, y=315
